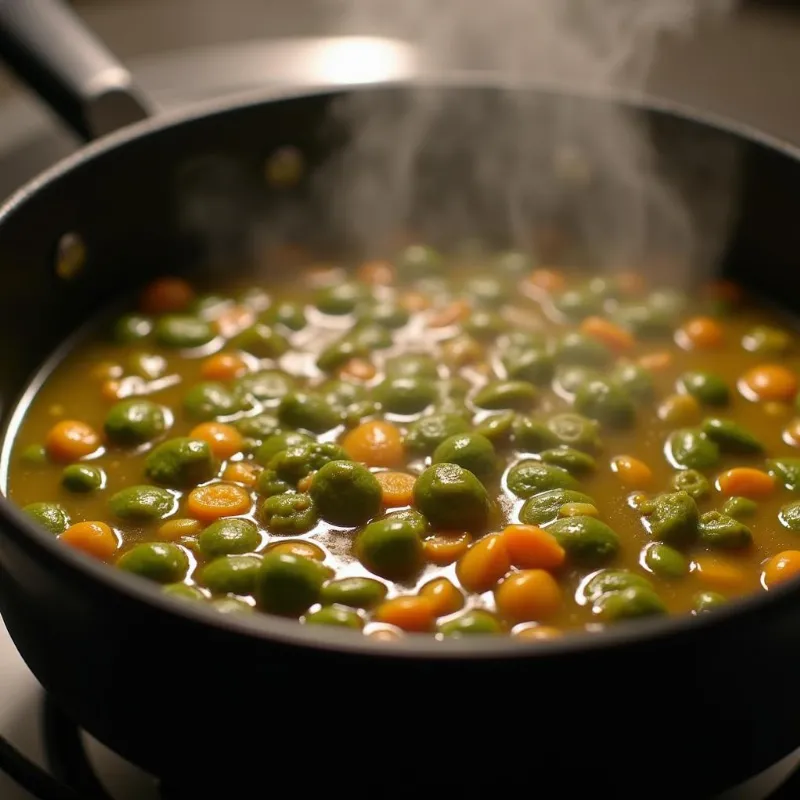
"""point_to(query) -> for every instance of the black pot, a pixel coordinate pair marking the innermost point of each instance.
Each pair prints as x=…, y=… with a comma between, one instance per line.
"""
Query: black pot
x=685, y=706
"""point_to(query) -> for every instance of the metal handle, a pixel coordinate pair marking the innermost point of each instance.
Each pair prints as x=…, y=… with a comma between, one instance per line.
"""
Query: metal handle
x=46, y=44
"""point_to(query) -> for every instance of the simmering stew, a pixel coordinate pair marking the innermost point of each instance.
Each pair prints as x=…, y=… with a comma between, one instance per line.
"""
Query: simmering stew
x=413, y=447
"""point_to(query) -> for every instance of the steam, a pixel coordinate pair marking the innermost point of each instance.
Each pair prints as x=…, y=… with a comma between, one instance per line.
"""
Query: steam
x=449, y=163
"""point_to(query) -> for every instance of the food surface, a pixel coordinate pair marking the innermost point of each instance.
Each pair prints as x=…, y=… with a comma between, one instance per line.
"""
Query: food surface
x=428, y=446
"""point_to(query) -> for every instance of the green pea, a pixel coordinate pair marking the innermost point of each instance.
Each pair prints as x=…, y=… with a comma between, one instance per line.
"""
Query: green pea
x=452, y=498
x=288, y=584
x=183, y=330
x=181, y=462
x=637, y=381
x=346, y=493
x=279, y=442
x=531, y=435
x=576, y=349
x=502, y=395
x=261, y=341
x=674, y=518
x=269, y=484
x=290, y=315
x=533, y=365
x=703, y=602
x=694, y=483
x=630, y=603
x=211, y=400
x=309, y=412
x=574, y=430
x=143, y=503
x=570, y=459
x=543, y=508
x=135, y=421
x=228, y=537
x=568, y=379
x=342, y=298
x=162, y=562
x=586, y=540
x=789, y=516
x=475, y=622
x=665, y=561
x=334, y=615
x=369, y=337
x=231, y=574
x=529, y=478
x=607, y=402
x=739, y=507
x=259, y=428
x=497, y=428
x=484, y=325
x=34, y=455
x=354, y=592
x=412, y=517
x=766, y=340
x=721, y=531
x=471, y=451
x=690, y=448
x=613, y=580
x=417, y=261
x=730, y=436
x=785, y=470
x=267, y=386
x=705, y=387
x=289, y=513
x=183, y=591
x=391, y=548
x=405, y=395
x=412, y=365
x=51, y=516
x=644, y=321
x=427, y=433
x=132, y=328
x=294, y=463
x=342, y=393
x=83, y=478
x=231, y=605
x=339, y=353
x=386, y=314
x=577, y=304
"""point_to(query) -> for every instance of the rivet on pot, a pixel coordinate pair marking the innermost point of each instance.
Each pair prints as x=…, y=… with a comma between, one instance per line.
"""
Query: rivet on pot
x=70, y=256
x=284, y=168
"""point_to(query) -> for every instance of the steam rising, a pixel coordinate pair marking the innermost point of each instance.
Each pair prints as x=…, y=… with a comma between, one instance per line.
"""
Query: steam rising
x=447, y=162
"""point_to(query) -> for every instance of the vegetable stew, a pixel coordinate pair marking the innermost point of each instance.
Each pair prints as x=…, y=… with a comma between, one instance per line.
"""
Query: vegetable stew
x=428, y=446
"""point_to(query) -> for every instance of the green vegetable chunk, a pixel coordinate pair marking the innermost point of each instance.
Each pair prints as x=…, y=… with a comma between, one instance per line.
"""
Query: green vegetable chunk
x=607, y=402
x=183, y=330
x=665, y=561
x=229, y=537
x=294, y=463
x=132, y=422
x=694, y=483
x=288, y=584
x=718, y=530
x=574, y=430
x=630, y=603
x=278, y=442
x=346, y=493
x=674, y=518
x=570, y=459
x=268, y=387
x=427, y=433
x=210, y=400
x=580, y=350
x=261, y=341
x=475, y=622
x=543, y=508
x=51, y=516
x=342, y=298
x=354, y=592
x=308, y=411
x=269, y=484
x=586, y=540
x=143, y=503
x=471, y=451
x=613, y=580
x=162, y=562
x=532, y=477
x=785, y=471
x=83, y=478
x=730, y=436
x=789, y=516
x=766, y=340
x=231, y=574
x=405, y=395
x=452, y=498
x=703, y=602
x=501, y=395
x=182, y=591
x=690, y=448
x=637, y=381
x=391, y=548
x=707, y=388
x=289, y=513
x=740, y=507
x=181, y=462
x=132, y=328
x=335, y=615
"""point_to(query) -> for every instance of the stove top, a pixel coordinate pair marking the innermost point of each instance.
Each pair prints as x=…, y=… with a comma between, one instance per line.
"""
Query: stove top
x=31, y=141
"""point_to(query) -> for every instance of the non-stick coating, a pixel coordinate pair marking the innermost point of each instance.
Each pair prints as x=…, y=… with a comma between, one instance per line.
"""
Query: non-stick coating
x=172, y=689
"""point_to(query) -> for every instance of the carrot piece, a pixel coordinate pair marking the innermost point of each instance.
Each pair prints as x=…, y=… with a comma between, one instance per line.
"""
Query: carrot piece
x=298, y=547
x=396, y=488
x=358, y=369
x=304, y=484
x=484, y=564
x=445, y=597
x=165, y=295
x=530, y=547
x=719, y=573
x=376, y=444
x=701, y=333
x=217, y=500
x=223, y=367
x=656, y=362
x=532, y=594
x=455, y=312
x=224, y=440
x=541, y=632
x=233, y=320
x=176, y=528
x=746, y=482
x=376, y=273
x=632, y=473
x=245, y=472
x=415, y=614
x=95, y=538
x=770, y=382
x=548, y=280
x=69, y=440
x=445, y=548
x=781, y=567
x=611, y=335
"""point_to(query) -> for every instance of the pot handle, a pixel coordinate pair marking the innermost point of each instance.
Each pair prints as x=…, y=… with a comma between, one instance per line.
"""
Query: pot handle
x=47, y=45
